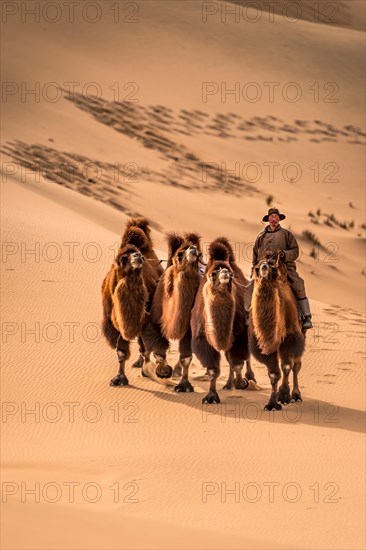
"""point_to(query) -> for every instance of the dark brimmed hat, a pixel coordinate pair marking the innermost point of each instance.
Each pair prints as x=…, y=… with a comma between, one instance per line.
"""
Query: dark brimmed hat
x=273, y=211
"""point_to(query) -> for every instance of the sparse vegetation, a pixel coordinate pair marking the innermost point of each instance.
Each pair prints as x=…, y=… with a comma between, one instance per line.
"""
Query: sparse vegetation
x=313, y=253
x=330, y=220
x=269, y=200
x=351, y=205
x=311, y=237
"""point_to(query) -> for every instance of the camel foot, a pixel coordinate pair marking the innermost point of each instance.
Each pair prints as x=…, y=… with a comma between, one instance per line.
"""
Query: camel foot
x=241, y=384
x=284, y=396
x=177, y=371
x=250, y=376
x=273, y=406
x=184, y=386
x=211, y=397
x=138, y=363
x=119, y=380
x=296, y=396
x=228, y=386
x=165, y=371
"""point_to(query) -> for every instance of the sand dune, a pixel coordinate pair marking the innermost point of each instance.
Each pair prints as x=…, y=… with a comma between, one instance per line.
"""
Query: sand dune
x=163, y=444
x=168, y=132
x=349, y=14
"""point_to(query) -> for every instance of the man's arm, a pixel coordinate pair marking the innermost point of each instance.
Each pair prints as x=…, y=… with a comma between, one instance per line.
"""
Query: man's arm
x=292, y=250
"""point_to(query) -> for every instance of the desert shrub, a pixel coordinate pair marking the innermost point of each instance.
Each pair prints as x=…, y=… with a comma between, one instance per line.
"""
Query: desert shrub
x=311, y=237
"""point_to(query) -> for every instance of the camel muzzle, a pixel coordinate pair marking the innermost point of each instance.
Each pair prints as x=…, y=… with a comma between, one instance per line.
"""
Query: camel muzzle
x=192, y=254
x=137, y=260
x=264, y=270
x=225, y=276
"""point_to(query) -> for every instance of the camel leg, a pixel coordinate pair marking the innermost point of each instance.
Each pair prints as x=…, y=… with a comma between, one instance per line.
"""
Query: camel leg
x=210, y=360
x=123, y=353
x=185, y=359
x=249, y=374
x=141, y=359
x=177, y=369
x=145, y=360
x=284, y=390
x=296, y=394
x=184, y=385
x=163, y=370
x=274, y=374
x=154, y=341
x=212, y=396
x=236, y=357
x=185, y=351
x=230, y=381
x=239, y=383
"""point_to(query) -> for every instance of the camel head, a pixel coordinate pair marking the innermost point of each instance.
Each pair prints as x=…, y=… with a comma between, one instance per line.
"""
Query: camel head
x=184, y=250
x=186, y=255
x=220, y=276
x=128, y=260
x=266, y=270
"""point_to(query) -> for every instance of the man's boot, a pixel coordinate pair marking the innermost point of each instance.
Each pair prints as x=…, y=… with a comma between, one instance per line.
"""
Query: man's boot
x=304, y=307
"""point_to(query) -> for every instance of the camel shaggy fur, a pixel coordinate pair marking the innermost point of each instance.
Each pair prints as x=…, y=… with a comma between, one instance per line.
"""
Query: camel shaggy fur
x=218, y=320
x=127, y=293
x=275, y=331
x=172, y=303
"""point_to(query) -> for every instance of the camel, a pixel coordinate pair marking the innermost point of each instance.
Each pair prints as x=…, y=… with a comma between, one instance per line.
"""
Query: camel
x=173, y=300
x=218, y=320
x=275, y=330
x=127, y=293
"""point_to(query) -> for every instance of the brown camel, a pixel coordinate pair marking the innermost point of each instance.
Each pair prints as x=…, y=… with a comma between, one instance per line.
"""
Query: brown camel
x=173, y=300
x=218, y=320
x=275, y=330
x=127, y=292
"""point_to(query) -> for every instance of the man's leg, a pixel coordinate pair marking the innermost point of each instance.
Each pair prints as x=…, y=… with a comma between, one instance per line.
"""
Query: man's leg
x=298, y=287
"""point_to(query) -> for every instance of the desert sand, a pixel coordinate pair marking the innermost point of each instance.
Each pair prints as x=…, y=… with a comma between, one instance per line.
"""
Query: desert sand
x=143, y=467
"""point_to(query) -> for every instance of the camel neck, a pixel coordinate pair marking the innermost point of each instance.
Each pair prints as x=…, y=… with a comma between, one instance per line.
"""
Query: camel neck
x=264, y=288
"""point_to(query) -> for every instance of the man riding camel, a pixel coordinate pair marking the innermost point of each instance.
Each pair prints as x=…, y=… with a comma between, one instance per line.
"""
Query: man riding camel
x=275, y=239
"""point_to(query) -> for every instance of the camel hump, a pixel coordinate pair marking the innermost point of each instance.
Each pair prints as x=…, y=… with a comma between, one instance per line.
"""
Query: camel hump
x=137, y=231
x=136, y=237
x=193, y=238
x=175, y=241
x=220, y=249
x=222, y=243
x=141, y=222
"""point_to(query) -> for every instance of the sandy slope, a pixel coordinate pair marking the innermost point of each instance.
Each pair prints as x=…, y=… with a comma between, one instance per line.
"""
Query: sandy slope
x=166, y=445
x=172, y=132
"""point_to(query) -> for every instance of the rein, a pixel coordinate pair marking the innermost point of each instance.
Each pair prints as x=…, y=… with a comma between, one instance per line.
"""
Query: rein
x=239, y=284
